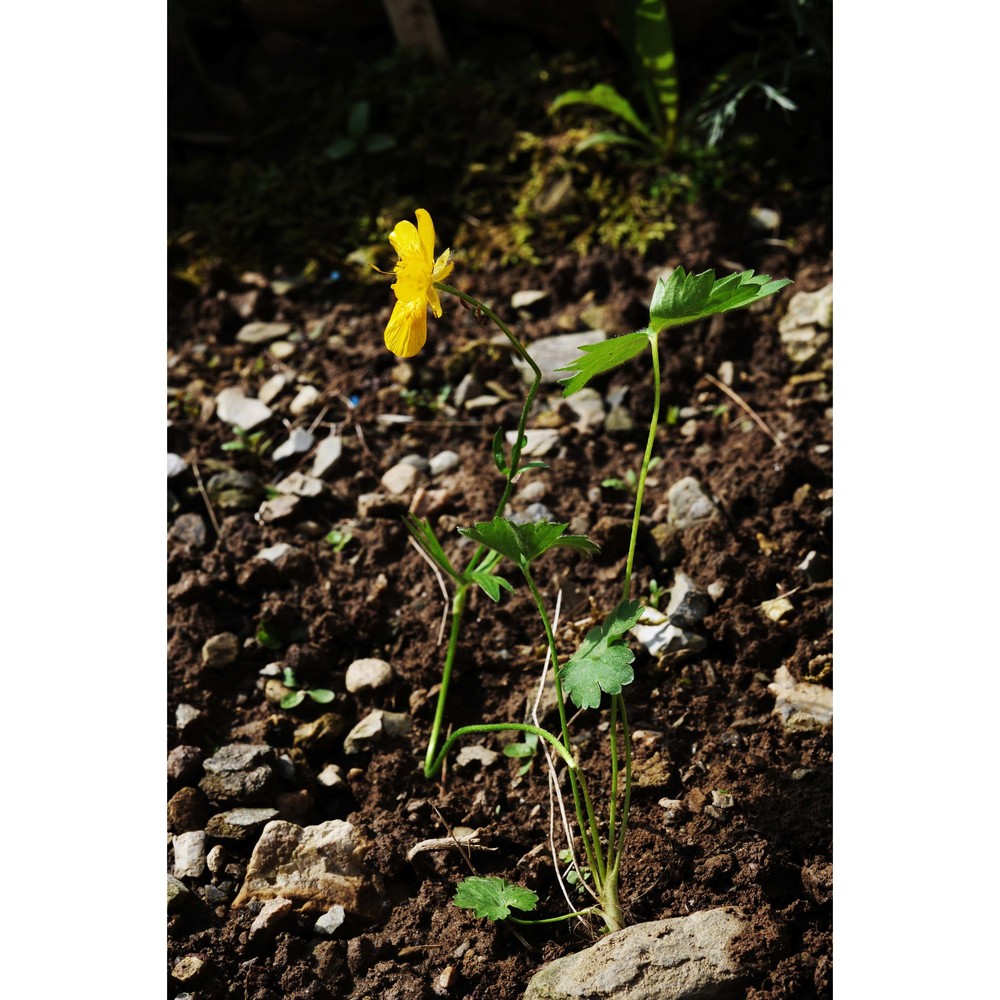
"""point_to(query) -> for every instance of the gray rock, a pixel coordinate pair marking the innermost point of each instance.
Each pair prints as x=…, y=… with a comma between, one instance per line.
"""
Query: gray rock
x=300, y=485
x=178, y=894
x=240, y=824
x=299, y=441
x=688, y=503
x=232, y=407
x=468, y=388
x=239, y=772
x=555, y=352
x=232, y=490
x=261, y=333
x=478, y=756
x=316, y=868
x=419, y=462
x=189, y=854
x=272, y=554
x=189, y=529
x=277, y=508
x=688, y=603
x=367, y=674
x=281, y=349
x=588, y=406
x=304, y=399
x=376, y=727
x=533, y=491
x=271, y=389
x=186, y=716
x=662, y=638
x=184, y=763
x=727, y=373
x=683, y=958
x=221, y=650
x=327, y=455
x=442, y=462
x=801, y=706
x=619, y=420
x=175, y=465
x=541, y=440
x=380, y=505
x=533, y=514
x=214, y=896
x=527, y=298
x=331, y=921
x=272, y=914
x=401, y=478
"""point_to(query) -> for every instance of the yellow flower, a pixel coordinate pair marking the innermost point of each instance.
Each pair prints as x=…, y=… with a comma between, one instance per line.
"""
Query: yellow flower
x=416, y=273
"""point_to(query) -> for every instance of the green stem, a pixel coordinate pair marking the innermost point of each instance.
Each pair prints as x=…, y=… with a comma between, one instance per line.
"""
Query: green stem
x=613, y=745
x=555, y=920
x=577, y=782
x=457, y=609
x=641, y=486
x=458, y=605
x=500, y=727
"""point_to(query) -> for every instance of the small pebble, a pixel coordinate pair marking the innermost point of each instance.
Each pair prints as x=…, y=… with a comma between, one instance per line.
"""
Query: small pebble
x=272, y=914
x=261, y=333
x=327, y=454
x=175, y=465
x=221, y=650
x=367, y=674
x=298, y=442
x=270, y=390
x=331, y=921
x=300, y=485
x=401, y=478
x=234, y=408
x=274, y=553
x=442, y=462
x=188, y=968
x=303, y=400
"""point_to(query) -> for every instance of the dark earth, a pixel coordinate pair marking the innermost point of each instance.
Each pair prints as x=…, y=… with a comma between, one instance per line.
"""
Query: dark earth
x=703, y=724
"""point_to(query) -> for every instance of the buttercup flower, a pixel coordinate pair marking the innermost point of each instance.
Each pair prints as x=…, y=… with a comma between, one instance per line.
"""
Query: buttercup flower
x=416, y=272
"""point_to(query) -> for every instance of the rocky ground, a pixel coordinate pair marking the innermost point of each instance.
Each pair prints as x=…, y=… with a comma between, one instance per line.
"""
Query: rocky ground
x=297, y=838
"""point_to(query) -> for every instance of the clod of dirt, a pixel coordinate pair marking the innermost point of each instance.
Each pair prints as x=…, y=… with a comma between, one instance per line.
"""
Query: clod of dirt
x=682, y=958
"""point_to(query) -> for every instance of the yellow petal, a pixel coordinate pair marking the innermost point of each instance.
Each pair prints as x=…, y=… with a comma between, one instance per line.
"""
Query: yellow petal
x=407, y=329
x=405, y=240
x=426, y=228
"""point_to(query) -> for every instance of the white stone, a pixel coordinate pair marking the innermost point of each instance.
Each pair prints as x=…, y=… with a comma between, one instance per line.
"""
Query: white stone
x=688, y=503
x=233, y=408
x=304, y=398
x=541, y=440
x=801, y=706
x=175, y=465
x=327, y=454
x=273, y=553
x=272, y=387
x=331, y=921
x=298, y=441
x=367, y=674
x=271, y=915
x=589, y=409
x=443, y=461
x=375, y=727
x=300, y=485
x=551, y=353
x=401, y=478
x=261, y=333
x=189, y=854
x=526, y=298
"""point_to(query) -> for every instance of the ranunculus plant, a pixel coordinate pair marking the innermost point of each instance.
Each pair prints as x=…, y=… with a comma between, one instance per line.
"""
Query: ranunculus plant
x=601, y=668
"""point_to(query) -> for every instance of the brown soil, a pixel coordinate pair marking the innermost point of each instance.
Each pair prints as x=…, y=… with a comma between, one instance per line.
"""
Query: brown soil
x=702, y=724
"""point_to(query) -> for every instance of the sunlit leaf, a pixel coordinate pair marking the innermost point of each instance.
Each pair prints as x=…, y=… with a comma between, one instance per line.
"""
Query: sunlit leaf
x=684, y=298
x=607, y=98
x=603, y=662
x=321, y=696
x=490, y=583
x=602, y=357
x=522, y=543
x=493, y=897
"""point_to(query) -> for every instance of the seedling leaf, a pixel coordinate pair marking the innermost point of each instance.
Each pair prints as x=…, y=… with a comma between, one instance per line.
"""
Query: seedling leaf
x=603, y=661
x=423, y=535
x=498, y=454
x=490, y=583
x=606, y=139
x=602, y=357
x=321, y=696
x=292, y=699
x=605, y=97
x=522, y=543
x=493, y=897
x=684, y=298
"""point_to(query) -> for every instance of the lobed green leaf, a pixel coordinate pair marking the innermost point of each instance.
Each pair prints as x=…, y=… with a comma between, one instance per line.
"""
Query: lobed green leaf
x=603, y=661
x=685, y=298
x=490, y=584
x=602, y=357
x=522, y=543
x=493, y=897
x=423, y=535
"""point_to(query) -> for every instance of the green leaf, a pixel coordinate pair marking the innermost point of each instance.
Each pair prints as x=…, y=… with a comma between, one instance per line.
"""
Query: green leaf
x=522, y=543
x=606, y=139
x=531, y=465
x=423, y=535
x=608, y=99
x=357, y=119
x=602, y=357
x=340, y=147
x=493, y=897
x=490, y=583
x=603, y=661
x=292, y=699
x=498, y=453
x=321, y=696
x=267, y=638
x=289, y=678
x=379, y=142
x=684, y=298
x=653, y=45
